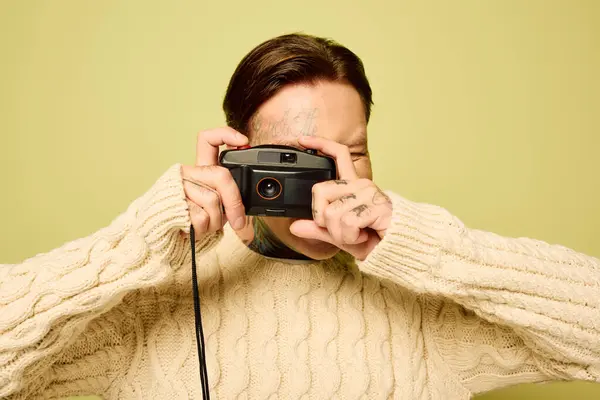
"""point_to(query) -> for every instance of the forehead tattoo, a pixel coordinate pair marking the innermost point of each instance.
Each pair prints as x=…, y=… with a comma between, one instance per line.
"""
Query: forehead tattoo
x=293, y=123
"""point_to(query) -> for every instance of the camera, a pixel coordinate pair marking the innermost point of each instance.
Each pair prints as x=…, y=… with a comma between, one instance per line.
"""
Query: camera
x=277, y=180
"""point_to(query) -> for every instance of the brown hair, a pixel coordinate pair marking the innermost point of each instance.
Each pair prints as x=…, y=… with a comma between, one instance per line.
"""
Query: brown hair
x=289, y=59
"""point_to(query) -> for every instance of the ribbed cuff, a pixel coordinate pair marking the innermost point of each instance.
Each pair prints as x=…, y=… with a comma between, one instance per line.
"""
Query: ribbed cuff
x=163, y=210
x=413, y=243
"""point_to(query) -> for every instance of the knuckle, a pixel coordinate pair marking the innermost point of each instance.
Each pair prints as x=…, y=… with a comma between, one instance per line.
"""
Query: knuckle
x=347, y=220
x=320, y=221
x=193, y=208
x=194, y=172
x=330, y=213
x=222, y=173
x=323, y=189
x=318, y=216
x=213, y=225
x=227, y=177
x=201, y=136
x=210, y=169
x=316, y=189
x=212, y=199
x=226, y=130
x=200, y=221
x=336, y=205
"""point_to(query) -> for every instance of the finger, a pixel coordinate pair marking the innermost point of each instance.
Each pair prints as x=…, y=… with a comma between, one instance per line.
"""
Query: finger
x=336, y=210
x=199, y=218
x=220, y=179
x=377, y=216
x=210, y=202
x=357, y=219
x=338, y=151
x=208, y=142
x=325, y=193
x=350, y=229
x=333, y=215
x=362, y=250
x=309, y=230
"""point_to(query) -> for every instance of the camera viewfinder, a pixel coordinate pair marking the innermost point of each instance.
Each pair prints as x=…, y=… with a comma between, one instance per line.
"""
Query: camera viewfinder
x=288, y=158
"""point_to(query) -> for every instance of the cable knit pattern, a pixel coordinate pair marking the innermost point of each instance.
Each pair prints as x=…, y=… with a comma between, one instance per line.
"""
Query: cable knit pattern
x=437, y=311
x=47, y=301
x=497, y=311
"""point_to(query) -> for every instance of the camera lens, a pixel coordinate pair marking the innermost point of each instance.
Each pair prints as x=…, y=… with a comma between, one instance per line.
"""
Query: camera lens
x=269, y=188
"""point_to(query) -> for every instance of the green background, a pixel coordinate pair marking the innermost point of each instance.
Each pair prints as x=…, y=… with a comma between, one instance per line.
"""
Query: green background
x=488, y=108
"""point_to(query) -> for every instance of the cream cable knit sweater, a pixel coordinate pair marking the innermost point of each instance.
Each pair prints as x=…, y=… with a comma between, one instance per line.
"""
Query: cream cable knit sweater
x=437, y=311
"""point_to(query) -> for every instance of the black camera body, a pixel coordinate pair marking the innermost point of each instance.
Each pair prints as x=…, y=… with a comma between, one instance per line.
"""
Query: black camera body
x=277, y=180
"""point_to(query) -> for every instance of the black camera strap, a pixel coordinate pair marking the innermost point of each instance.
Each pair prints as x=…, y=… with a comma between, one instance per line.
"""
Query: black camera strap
x=198, y=320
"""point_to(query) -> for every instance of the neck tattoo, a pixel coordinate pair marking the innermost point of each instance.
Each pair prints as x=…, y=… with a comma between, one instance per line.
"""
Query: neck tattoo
x=266, y=243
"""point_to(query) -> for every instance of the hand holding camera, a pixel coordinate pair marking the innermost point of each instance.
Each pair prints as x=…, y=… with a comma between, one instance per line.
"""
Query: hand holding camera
x=351, y=212
x=333, y=203
x=211, y=193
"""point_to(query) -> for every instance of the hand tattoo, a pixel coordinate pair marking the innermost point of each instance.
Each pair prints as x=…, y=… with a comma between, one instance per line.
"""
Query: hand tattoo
x=381, y=198
x=360, y=210
x=347, y=197
x=340, y=182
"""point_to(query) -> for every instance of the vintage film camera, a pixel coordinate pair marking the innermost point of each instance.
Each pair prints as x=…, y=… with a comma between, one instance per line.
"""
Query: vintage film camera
x=277, y=180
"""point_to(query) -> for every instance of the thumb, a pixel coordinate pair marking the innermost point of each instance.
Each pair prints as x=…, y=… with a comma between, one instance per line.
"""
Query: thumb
x=308, y=229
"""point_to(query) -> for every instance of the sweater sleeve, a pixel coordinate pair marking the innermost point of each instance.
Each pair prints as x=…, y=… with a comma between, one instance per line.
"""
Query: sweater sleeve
x=49, y=301
x=497, y=311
